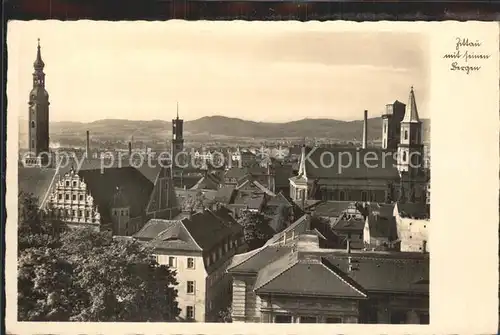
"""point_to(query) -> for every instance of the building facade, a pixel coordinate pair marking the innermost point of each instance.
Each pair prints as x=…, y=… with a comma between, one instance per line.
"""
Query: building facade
x=199, y=248
x=299, y=282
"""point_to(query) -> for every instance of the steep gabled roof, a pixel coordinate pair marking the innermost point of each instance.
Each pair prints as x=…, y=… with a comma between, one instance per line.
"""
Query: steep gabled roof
x=350, y=163
x=134, y=187
x=163, y=196
x=167, y=235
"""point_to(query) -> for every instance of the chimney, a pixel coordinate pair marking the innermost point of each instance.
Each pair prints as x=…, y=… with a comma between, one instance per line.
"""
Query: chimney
x=365, y=129
x=87, y=147
x=130, y=148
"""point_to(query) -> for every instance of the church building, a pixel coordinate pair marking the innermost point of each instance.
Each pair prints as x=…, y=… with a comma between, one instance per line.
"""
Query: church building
x=391, y=173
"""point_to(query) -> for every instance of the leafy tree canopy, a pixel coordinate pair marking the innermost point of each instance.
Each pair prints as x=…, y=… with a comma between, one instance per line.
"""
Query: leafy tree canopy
x=256, y=229
x=84, y=275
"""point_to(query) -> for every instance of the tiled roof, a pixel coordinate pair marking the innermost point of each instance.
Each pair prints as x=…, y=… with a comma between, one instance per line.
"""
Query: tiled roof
x=314, y=278
x=392, y=272
x=256, y=260
x=202, y=230
x=167, y=235
x=378, y=165
x=349, y=225
x=370, y=272
x=278, y=200
x=208, y=182
x=330, y=208
x=413, y=210
x=207, y=229
x=224, y=194
x=136, y=189
x=35, y=181
x=163, y=196
x=301, y=225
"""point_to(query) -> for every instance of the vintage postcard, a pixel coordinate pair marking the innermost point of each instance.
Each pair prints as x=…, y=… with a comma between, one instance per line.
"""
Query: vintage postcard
x=191, y=177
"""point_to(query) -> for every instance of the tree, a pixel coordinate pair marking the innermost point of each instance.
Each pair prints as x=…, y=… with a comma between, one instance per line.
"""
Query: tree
x=255, y=229
x=85, y=275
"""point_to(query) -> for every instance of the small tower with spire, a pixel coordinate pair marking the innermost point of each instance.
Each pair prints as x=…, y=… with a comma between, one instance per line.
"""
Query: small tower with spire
x=410, y=148
x=39, y=113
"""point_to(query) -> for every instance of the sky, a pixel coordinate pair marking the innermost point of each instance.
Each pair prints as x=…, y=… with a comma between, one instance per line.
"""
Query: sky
x=267, y=71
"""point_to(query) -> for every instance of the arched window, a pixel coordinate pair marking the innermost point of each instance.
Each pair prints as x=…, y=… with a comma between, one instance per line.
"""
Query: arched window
x=32, y=124
x=404, y=156
x=406, y=134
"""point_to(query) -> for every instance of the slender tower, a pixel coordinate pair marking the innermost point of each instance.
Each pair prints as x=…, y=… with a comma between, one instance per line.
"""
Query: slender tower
x=39, y=113
x=178, y=159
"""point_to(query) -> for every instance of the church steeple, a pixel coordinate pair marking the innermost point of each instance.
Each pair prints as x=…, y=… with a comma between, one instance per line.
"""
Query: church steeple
x=411, y=115
x=39, y=113
x=38, y=65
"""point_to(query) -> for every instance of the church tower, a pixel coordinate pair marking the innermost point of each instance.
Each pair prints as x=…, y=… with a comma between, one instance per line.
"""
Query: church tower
x=391, y=125
x=39, y=114
x=177, y=141
x=410, y=148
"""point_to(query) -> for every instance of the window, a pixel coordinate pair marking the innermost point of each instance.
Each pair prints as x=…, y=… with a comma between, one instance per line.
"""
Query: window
x=308, y=319
x=67, y=183
x=73, y=197
x=80, y=213
x=190, y=312
x=74, y=184
x=190, y=287
x=73, y=212
x=333, y=320
x=364, y=196
x=283, y=319
x=406, y=134
x=404, y=156
x=32, y=124
x=190, y=263
x=342, y=196
x=81, y=197
x=171, y=262
x=88, y=212
x=59, y=196
x=122, y=213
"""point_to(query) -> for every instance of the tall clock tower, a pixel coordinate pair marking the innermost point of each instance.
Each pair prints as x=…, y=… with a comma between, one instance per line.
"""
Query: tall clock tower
x=39, y=114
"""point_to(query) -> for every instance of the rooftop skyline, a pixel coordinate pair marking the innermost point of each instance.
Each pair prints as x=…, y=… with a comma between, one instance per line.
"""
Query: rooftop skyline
x=140, y=71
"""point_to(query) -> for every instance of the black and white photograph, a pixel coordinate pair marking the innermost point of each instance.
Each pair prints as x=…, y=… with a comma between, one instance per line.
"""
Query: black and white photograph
x=190, y=173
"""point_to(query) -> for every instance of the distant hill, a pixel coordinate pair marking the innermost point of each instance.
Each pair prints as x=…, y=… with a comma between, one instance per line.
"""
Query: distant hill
x=215, y=126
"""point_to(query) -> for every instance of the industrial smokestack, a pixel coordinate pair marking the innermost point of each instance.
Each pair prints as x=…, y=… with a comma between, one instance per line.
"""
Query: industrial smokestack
x=365, y=129
x=87, y=145
x=130, y=148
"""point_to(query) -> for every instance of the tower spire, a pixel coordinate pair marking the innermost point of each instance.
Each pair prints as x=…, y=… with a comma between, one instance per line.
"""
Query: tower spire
x=411, y=114
x=39, y=64
x=177, y=110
